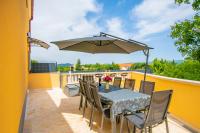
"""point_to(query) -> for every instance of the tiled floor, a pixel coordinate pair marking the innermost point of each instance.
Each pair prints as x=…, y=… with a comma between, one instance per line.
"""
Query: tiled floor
x=51, y=111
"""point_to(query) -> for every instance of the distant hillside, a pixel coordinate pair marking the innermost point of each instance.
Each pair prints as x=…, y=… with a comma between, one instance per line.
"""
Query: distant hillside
x=65, y=65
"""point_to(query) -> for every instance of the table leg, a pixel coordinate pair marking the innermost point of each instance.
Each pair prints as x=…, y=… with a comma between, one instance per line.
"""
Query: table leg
x=113, y=121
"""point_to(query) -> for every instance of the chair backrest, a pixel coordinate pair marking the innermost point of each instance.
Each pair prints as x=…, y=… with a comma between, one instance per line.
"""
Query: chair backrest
x=88, y=78
x=113, y=74
x=147, y=87
x=96, y=97
x=87, y=91
x=129, y=84
x=117, y=81
x=82, y=90
x=158, y=107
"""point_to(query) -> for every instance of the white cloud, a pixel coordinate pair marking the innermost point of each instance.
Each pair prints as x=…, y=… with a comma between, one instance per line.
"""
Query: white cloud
x=115, y=27
x=155, y=16
x=61, y=19
x=64, y=19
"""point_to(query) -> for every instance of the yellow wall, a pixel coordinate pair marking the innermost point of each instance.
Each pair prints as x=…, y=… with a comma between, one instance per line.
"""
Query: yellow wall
x=185, y=99
x=14, y=26
x=184, y=104
x=44, y=80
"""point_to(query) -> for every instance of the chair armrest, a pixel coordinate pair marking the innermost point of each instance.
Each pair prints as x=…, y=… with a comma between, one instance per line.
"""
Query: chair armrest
x=128, y=112
x=144, y=109
x=106, y=101
x=107, y=106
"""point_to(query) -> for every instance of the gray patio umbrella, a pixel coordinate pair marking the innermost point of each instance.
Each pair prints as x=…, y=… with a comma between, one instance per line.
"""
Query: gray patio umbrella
x=105, y=43
x=37, y=42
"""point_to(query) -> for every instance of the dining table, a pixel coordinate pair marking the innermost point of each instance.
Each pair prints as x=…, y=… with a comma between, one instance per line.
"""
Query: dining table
x=121, y=100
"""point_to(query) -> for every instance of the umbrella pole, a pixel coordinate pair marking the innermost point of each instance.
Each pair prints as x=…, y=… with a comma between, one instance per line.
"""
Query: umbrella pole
x=146, y=65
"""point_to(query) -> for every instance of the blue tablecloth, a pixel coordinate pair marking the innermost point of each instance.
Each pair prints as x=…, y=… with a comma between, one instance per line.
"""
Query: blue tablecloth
x=125, y=99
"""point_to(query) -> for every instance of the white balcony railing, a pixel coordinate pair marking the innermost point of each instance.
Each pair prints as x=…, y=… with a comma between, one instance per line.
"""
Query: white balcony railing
x=72, y=78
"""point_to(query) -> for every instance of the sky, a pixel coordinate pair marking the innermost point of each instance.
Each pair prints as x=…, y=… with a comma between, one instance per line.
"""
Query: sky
x=147, y=21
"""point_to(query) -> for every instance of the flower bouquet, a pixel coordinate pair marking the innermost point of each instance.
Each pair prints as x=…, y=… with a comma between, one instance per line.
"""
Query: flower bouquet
x=107, y=79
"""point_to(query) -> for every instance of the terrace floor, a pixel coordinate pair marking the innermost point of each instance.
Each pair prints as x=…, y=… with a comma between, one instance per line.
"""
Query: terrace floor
x=51, y=111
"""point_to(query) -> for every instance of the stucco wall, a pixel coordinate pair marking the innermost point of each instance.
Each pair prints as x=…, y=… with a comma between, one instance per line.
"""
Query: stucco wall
x=44, y=80
x=14, y=26
x=185, y=99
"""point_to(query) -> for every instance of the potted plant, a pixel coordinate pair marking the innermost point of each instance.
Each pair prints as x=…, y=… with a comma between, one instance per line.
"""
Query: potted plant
x=107, y=79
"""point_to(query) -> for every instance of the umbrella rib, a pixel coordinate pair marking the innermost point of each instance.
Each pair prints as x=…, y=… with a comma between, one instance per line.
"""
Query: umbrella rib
x=121, y=48
x=70, y=45
x=92, y=44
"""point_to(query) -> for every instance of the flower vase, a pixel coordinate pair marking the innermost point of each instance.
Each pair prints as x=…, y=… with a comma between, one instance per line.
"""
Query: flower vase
x=107, y=85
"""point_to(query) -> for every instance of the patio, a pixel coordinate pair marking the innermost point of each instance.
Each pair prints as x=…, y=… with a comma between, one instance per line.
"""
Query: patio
x=51, y=111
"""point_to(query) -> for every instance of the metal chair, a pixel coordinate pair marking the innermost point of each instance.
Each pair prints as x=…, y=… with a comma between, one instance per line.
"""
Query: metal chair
x=105, y=110
x=88, y=78
x=89, y=98
x=113, y=74
x=129, y=84
x=156, y=114
x=147, y=87
x=82, y=93
x=117, y=81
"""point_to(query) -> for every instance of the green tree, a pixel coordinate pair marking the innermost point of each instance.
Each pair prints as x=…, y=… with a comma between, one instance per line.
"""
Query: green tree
x=78, y=65
x=188, y=69
x=138, y=66
x=187, y=33
x=63, y=68
x=34, y=61
x=114, y=66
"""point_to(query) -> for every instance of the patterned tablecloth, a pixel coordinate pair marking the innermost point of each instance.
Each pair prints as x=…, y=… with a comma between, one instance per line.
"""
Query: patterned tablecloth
x=125, y=99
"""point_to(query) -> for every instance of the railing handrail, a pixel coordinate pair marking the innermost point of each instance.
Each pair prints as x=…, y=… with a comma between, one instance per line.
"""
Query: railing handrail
x=73, y=77
x=79, y=73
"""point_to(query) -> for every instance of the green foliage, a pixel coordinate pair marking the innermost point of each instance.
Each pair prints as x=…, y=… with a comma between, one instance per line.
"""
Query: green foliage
x=63, y=68
x=195, y=3
x=158, y=66
x=34, y=61
x=138, y=66
x=90, y=67
x=187, y=33
x=115, y=66
x=189, y=69
x=100, y=67
x=78, y=65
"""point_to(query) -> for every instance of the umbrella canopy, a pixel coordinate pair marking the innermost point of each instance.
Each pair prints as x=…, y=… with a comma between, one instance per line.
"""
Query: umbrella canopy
x=105, y=43
x=101, y=44
x=37, y=42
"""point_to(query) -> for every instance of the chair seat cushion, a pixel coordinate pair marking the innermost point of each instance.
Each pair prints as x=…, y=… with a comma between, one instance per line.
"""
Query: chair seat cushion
x=137, y=119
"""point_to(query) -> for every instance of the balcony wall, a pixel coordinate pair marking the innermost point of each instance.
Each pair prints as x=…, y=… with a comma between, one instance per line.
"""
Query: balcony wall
x=185, y=99
x=44, y=80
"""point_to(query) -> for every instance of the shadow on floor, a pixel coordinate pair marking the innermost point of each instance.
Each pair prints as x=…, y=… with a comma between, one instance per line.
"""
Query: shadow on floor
x=71, y=105
x=51, y=111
